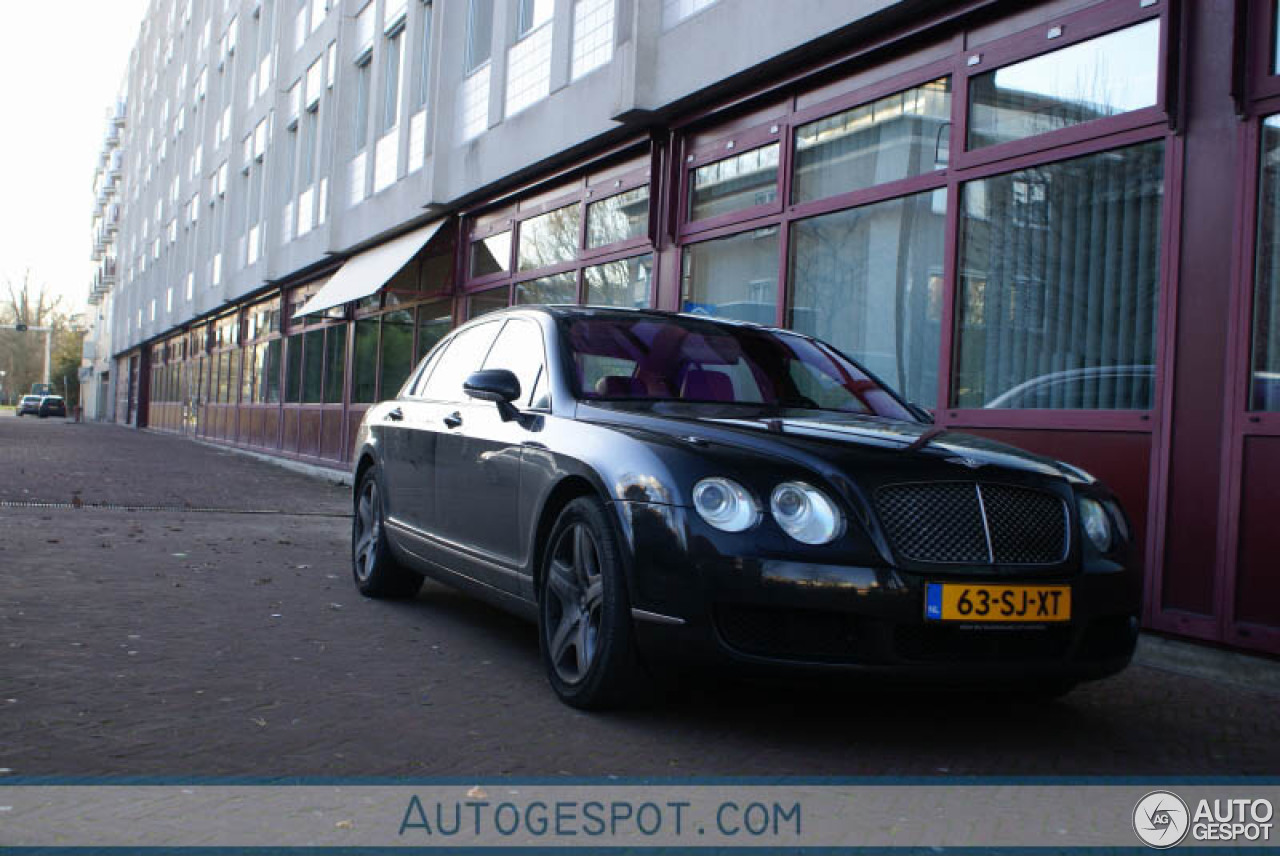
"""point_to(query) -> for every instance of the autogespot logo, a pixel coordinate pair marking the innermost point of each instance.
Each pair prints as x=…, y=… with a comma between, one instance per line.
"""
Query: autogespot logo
x=1160, y=819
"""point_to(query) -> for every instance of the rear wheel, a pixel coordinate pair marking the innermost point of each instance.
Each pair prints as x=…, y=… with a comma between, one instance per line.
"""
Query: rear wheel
x=584, y=616
x=375, y=569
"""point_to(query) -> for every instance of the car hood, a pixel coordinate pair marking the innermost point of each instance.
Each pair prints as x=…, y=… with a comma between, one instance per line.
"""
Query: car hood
x=843, y=439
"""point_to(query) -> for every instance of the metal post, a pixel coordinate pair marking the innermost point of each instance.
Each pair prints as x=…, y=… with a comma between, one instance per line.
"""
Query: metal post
x=48, y=354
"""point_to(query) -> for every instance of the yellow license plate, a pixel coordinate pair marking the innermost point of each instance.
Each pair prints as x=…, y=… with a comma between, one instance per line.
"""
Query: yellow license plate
x=996, y=603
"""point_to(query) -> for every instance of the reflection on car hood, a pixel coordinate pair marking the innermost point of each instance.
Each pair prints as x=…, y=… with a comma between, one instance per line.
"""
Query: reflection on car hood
x=821, y=433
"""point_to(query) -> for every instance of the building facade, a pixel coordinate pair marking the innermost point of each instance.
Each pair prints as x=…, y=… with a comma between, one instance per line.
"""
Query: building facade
x=108, y=177
x=1053, y=223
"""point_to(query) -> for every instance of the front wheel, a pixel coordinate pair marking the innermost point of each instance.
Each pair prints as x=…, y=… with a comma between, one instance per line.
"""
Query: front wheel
x=376, y=571
x=584, y=616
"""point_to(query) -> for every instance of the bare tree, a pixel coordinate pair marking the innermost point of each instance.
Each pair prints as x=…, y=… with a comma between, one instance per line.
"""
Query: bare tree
x=22, y=354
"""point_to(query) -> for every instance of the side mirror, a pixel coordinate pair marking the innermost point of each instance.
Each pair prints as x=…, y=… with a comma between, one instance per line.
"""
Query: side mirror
x=500, y=386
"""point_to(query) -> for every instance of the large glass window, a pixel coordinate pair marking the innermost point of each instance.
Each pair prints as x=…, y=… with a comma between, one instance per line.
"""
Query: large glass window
x=734, y=277
x=869, y=281
x=435, y=319
x=550, y=238
x=896, y=137
x=1059, y=281
x=364, y=80
x=393, y=59
x=621, y=217
x=335, y=358
x=364, y=380
x=486, y=302
x=491, y=255
x=396, y=351
x=293, y=376
x=558, y=288
x=312, y=366
x=1101, y=77
x=621, y=283
x=736, y=183
x=269, y=373
x=1264, y=385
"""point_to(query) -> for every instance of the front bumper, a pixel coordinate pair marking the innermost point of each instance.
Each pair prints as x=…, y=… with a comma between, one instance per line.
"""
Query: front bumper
x=788, y=609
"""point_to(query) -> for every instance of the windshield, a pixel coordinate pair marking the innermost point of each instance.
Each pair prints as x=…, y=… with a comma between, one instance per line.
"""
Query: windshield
x=646, y=358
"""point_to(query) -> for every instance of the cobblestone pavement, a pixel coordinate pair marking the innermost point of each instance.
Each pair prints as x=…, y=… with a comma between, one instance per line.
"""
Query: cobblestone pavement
x=218, y=643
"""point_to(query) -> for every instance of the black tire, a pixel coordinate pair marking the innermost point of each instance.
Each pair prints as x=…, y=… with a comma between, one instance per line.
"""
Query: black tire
x=374, y=568
x=585, y=631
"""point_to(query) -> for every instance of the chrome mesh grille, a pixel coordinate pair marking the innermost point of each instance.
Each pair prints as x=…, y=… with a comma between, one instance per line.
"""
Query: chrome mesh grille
x=967, y=523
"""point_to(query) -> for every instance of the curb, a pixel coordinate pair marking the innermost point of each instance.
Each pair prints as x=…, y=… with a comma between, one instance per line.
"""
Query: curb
x=1198, y=660
x=329, y=474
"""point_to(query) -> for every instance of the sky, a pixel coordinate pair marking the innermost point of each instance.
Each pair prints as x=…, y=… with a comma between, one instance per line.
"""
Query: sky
x=58, y=79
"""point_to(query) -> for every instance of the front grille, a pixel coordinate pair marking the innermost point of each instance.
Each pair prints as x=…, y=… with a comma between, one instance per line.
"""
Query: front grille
x=809, y=634
x=925, y=644
x=975, y=524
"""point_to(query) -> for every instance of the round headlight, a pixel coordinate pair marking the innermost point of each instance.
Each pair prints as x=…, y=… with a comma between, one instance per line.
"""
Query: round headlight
x=1096, y=523
x=805, y=513
x=725, y=504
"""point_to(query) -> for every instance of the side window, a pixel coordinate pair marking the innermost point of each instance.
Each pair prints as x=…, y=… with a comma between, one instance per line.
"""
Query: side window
x=417, y=384
x=519, y=349
x=462, y=357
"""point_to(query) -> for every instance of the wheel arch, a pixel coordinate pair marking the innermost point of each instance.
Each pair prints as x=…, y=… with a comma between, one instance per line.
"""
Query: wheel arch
x=566, y=490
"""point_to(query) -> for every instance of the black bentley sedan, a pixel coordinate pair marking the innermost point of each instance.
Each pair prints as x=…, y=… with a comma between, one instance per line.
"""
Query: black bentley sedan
x=658, y=489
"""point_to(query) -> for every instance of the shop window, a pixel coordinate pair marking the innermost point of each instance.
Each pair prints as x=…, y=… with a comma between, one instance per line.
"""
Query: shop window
x=293, y=375
x=892, y=138
x=559, y=288
x=622, y=283
x=312, y=366
x=735, y=184
x=1111, y=74
x=269, y=372
x=335, y=358
x=550, y=238
x=396, y=352
x=621, y=217
x=1059, y=282
x=734, y=277
x=435, y=320
x=486, y=302
x=364, y=389
x=491, y=255
x=869, y=281
x=1264, y=382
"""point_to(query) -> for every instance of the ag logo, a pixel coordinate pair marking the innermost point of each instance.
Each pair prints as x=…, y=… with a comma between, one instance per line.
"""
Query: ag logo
x=1160, y=819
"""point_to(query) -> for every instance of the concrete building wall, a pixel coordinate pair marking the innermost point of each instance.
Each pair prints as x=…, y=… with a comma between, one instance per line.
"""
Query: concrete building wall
x=224, y=93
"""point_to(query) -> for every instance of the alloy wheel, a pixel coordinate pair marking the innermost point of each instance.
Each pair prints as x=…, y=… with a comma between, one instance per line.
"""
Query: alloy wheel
x=368, y=530
x=575, y=593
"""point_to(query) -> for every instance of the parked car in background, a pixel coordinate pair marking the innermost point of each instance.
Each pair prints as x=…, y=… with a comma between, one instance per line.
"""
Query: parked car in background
x=29, y=404
x=52, y=405
x=655, y=488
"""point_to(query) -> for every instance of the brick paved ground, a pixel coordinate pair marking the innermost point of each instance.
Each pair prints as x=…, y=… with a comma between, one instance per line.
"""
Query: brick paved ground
x=235, y=644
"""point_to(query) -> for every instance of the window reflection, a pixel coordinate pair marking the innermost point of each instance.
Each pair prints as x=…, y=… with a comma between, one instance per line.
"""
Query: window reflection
x=435, y=319
x=491, y=255
x=735, y=183
x=560, y=288
x=896, y=137
x=1101, y=77
x=621, y=283
x=1264, y=386
x=869, y=281
x=396, y=352
x=550, y=238
x=365, y=370
x=486, y=302
x=621, y=217
x=1059, y=283
x=734, y=277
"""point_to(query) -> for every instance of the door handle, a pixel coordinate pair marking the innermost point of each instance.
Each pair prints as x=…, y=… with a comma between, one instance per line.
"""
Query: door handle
x=453, y=420
x=396, y=415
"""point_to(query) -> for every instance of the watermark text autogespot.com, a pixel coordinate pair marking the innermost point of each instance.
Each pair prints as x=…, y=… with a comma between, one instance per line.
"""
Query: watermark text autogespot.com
x=599, y=818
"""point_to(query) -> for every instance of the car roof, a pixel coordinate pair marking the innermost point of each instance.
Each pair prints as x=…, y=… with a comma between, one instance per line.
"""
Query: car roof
x=577, y=310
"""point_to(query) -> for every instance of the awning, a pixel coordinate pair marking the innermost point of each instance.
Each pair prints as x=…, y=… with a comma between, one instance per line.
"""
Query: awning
x=367, y=272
